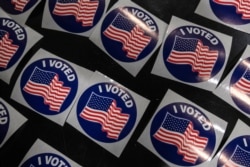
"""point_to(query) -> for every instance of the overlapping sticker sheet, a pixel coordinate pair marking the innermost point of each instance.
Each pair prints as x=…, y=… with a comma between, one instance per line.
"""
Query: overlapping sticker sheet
x=42, y=154
x=234, y=89
x=232, y=13
x=181, y=133
x=49, y=85
x=192, y=54
x=76, y=17
x=10, y=121
x=107, y=113
x=16, y=41
x=129, y=35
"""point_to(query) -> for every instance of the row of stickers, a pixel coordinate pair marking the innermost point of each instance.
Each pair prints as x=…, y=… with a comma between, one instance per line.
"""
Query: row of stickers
x=107, y=112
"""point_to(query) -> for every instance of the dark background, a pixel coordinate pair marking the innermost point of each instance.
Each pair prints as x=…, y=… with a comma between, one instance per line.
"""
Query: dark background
x=81, y=51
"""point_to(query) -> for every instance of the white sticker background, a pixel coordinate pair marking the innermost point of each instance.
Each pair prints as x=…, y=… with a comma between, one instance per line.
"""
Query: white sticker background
x=40, y=147
x=115, y=148
x=32, y=38
x=171, y=97
x=16, y=120
x=132, y=67
x=83, y=75
x=160, y=69
x=223, y=89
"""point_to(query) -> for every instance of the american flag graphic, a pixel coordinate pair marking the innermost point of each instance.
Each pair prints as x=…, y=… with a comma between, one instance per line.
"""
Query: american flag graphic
x=129, y=34
x=104, y=110
x=19, y=4
x=242, y=6
x=83, y=10
x=47, y=85
x=192, y=51
x=243, y=84
x=7, y=49
x=239, y=158
x=181, y=133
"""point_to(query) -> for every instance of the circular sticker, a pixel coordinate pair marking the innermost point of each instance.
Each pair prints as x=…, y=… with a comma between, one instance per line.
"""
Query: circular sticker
x=16, y=7
x=231, y=12
x=46, y=159
x=4, y=122
x=193, y=54
x=129, y=34
x=76, y=16
x=240, y=84
x=236, y=153
x=106, y=112
x=13, y=39
x=182, y=134
x=49, y=85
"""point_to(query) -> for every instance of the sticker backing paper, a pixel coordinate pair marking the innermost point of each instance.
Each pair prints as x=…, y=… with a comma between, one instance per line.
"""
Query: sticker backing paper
x=234, y=89
x=129, y=35
x=80, y=19
x=42, y=154
x=236, y=150
x=49, y=85
x=107, y=113
x=181, y=133
x=192, y=54
x=10, y=121
x=231, y=13
x=17, y=40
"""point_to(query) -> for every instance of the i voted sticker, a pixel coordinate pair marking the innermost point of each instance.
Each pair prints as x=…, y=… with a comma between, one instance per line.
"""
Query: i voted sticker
x=240, y=84
x=17, y=6
x=231, y=12
x=193, y=54
x=236, y=153
x=182, y=134
x=46, y=159
x=49, y=85
x=4, y=122
x=76, y=15
x=106, y=112
x=13, y=39
x=129, y=34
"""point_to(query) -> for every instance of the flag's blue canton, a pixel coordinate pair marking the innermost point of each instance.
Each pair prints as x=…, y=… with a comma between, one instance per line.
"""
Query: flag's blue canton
x=185, y=44
x=42, y=77
x=2, y=33
x=175, y=124
x=247, y=75
x=123, y=23
x=67, y=1
x=99, y=103
x=241, y=157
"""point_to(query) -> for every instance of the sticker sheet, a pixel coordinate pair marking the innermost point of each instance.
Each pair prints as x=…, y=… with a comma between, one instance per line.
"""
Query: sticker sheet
x=10, y=121
x=73, y=16
x=181, y=133
x=107, y=113
x=232, y=13
x=129, y=35
x=42, y=154
x=192, y=54
x=236, y=150
x=234, y=89
x=49, y=85
x=19, y=10
x=16, y=41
